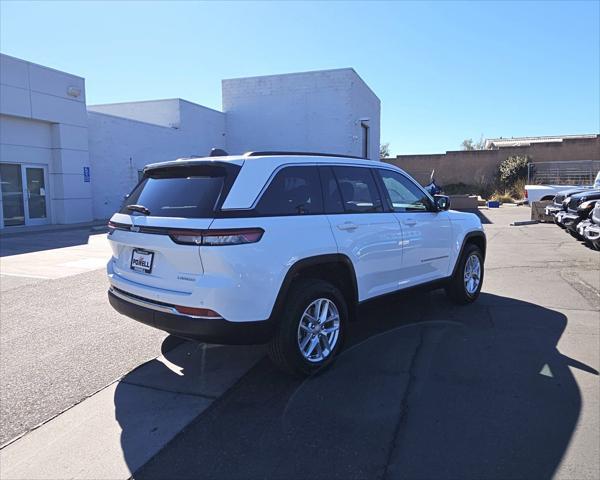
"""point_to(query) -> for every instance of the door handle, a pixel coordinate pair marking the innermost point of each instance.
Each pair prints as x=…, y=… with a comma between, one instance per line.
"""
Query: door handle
x=347, y=226
x=410, y=222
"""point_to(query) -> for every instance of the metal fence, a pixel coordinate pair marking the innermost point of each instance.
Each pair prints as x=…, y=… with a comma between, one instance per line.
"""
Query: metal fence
x=574, y=172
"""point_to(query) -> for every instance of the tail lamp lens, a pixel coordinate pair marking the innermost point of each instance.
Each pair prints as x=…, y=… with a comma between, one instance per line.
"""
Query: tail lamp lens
x=238, y=236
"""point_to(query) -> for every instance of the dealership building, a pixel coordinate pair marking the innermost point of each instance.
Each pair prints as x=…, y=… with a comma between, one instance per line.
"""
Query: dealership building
x=64, y=162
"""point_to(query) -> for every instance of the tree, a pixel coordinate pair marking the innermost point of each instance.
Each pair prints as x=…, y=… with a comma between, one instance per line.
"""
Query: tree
x=384, y=150
x=512, y=169
x=468, y=144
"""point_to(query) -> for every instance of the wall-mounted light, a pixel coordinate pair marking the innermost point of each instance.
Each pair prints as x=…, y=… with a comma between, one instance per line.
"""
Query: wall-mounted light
x=73, y=91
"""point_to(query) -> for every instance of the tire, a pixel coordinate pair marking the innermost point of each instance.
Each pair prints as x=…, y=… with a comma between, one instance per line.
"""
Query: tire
x=305, y=296
x=457, y=289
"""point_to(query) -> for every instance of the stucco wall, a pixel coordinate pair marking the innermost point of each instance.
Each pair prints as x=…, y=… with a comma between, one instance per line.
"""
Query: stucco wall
x=313, y=111
x=120, y=147
x=44, y=121
x=479, y=166
x=43, y=124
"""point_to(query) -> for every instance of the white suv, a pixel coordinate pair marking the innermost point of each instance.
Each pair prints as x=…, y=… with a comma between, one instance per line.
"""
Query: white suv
x=281, y=247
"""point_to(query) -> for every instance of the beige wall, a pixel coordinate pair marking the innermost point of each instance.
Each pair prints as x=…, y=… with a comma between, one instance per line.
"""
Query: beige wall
x=479, y=166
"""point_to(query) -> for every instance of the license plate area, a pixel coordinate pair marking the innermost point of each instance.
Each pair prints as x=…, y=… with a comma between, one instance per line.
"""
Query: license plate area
x=142, y=260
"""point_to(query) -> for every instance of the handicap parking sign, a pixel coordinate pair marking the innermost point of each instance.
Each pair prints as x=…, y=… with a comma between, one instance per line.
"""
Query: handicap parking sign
x=86, y=174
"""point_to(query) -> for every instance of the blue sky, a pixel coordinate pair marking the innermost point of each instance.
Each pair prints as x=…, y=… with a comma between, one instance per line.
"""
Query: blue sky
x=444, y=71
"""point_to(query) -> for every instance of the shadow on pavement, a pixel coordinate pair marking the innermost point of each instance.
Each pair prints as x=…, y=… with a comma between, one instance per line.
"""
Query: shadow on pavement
x=482, y=216
x=44, y=240
x=424, y=389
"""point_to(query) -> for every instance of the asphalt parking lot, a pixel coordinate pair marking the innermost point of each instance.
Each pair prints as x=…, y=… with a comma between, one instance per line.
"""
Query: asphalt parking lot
x=505, y=388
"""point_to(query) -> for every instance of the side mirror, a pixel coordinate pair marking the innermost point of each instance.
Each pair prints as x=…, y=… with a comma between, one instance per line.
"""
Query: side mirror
x=442, y=202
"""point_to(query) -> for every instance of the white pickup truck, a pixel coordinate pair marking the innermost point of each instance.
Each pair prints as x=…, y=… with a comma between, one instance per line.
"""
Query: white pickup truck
x=534, y=193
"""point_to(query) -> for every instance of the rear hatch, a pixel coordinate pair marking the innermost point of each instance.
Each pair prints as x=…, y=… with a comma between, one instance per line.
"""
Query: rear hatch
x=169, y=199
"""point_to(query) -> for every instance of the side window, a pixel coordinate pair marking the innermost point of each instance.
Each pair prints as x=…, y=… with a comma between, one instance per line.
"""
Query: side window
x=404, y=194
x=358, y=189
x=332, y=200
x=293, y=191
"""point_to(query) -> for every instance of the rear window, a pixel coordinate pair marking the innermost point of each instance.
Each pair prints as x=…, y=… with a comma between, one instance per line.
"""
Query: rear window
x=188, y=192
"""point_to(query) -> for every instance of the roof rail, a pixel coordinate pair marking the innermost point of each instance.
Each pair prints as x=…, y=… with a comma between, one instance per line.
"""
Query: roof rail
x=311, y=154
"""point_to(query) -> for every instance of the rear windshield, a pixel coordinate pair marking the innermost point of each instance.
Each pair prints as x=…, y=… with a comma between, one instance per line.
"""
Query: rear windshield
x=189, y=192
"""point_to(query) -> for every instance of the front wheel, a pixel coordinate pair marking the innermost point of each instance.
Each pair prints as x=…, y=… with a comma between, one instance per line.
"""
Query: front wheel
x=465, y=285
x=311, y=328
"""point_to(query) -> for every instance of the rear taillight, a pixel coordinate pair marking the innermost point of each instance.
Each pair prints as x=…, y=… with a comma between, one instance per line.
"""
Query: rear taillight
x=237, y=236
x=526, y=194
x=186, y=237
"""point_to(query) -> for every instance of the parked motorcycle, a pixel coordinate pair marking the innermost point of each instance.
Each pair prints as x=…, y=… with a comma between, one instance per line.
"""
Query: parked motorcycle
x=432, y=187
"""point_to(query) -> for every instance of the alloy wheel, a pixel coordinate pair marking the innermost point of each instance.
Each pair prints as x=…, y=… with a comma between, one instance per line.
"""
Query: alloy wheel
x=319, y=330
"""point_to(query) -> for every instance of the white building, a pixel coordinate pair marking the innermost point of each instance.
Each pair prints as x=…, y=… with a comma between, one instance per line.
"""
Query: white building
x=62, y=161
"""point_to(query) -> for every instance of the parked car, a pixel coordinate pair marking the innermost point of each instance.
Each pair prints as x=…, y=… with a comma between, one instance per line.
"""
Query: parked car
x=281, y=248
x=586, y=222
x=534, y=193
x=560, y=202
x=572, y=216
x=583, y=213
x=592, y=232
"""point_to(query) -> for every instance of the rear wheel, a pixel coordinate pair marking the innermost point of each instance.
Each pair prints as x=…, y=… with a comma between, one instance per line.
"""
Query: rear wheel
x=311, y=327
x=465, y=285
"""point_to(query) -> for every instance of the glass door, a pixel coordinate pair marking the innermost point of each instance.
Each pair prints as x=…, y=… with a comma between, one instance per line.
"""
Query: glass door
x=35, y=185
x=13, y=204
x=23, y=195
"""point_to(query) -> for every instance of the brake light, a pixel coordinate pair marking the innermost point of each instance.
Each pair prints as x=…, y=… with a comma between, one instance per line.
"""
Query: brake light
x=237, y=236
x=186, y=237
x=526, y=194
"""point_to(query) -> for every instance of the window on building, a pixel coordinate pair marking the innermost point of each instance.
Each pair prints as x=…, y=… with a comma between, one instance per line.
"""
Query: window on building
x=293, y=191
x=365, y=139
x=359, y=192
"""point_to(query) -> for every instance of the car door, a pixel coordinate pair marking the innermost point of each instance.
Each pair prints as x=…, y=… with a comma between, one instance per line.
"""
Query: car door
x=426, y=232
x=363, y=230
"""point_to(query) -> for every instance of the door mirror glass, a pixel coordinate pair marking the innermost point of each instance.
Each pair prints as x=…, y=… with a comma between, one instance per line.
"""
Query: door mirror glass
x=442, y=202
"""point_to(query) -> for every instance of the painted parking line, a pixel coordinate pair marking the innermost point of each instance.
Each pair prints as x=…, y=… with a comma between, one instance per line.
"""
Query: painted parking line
x=114, y=432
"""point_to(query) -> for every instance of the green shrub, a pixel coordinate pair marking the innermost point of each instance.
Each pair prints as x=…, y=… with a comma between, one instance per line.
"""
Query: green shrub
x=513, y=169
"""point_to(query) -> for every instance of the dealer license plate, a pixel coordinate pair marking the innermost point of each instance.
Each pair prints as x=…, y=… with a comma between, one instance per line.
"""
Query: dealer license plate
x=141, y=260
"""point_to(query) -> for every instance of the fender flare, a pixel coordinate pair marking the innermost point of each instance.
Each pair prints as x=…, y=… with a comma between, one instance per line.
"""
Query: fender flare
x=479, y=234
x=313, y=261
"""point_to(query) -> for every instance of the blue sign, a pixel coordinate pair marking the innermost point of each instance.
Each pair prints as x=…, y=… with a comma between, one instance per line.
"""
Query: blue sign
x=86, y=174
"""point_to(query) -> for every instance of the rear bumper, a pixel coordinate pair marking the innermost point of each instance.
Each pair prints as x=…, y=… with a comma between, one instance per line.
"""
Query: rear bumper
x=218, y=331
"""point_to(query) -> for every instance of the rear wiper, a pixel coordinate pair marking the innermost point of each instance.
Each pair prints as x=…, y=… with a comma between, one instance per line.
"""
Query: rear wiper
x=139, y=208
